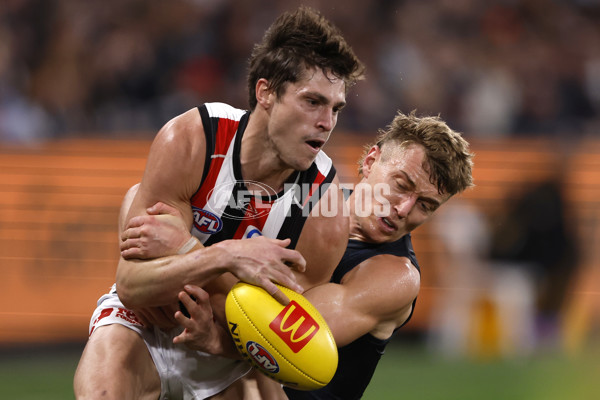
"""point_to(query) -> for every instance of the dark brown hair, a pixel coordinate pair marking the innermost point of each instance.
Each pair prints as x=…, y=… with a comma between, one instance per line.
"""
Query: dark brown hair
x=298, y=41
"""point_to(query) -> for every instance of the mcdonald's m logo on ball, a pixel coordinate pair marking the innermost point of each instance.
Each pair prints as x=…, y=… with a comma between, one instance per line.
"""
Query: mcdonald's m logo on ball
x=294, y=326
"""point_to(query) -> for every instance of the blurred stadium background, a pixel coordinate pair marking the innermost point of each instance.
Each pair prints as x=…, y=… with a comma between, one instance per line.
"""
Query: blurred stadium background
x=510, y=303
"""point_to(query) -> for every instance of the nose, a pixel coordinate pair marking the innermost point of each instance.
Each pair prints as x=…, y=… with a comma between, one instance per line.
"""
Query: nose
x=405, y=204
x=327, y=119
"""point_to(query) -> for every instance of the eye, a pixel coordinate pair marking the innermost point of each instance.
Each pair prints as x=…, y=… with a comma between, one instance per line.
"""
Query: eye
x=426, y=206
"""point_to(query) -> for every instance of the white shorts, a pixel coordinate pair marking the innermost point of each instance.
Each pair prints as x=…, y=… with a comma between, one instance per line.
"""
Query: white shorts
x=184, y=373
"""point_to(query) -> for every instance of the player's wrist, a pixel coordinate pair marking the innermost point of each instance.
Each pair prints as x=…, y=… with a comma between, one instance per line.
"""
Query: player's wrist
x=224, y=256
x=226, y=346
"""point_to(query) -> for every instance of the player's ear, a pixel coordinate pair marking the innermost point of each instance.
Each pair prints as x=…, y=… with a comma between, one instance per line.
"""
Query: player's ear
x=264, y=94
x=372, y=156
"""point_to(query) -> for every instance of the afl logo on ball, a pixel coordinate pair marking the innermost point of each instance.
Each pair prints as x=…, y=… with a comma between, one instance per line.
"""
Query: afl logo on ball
x=262, y=357
x=206, y=222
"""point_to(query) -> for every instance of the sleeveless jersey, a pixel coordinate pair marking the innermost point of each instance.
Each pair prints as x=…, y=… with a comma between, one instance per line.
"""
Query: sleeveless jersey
x=358, y=360
x=224, y=208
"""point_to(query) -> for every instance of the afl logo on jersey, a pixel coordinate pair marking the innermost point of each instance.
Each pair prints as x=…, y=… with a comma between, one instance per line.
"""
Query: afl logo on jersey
x=206, y=222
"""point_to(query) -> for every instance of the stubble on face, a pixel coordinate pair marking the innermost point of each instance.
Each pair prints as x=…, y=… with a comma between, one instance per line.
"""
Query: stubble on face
x=303, y=117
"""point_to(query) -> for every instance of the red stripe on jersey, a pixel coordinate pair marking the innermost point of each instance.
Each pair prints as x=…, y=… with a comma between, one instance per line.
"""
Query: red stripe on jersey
x=255, y=215
x=315, y=185
x=225, y=133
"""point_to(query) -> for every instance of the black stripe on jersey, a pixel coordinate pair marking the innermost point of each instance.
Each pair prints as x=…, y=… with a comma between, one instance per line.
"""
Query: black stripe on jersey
x=231, y=217
x=210, y=129
x=237, y=148
x=294, y=222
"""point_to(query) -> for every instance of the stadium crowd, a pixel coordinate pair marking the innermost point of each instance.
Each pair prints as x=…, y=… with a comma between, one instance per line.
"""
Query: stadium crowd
x=489, y=68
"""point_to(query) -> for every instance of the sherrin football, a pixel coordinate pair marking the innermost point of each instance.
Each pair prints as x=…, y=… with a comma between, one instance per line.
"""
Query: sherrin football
x=291, y=344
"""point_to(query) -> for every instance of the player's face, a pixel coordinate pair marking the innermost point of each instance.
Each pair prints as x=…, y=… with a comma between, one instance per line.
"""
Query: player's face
x=395, y=195
x=303, y=117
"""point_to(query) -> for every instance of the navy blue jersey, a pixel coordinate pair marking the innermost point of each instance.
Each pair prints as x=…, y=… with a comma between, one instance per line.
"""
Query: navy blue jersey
x=358, y=360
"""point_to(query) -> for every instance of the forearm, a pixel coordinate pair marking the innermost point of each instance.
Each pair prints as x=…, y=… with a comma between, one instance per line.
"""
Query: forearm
x=260, y=261
x=149, y=283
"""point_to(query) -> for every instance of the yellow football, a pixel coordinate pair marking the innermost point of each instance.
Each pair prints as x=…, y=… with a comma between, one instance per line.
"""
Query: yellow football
x=291, y=344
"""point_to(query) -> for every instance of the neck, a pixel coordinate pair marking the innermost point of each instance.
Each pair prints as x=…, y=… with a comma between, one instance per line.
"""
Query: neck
x=258, y=159
x=355, y=231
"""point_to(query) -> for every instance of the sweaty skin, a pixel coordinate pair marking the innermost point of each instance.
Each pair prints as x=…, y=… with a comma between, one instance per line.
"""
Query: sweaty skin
x=308, y=109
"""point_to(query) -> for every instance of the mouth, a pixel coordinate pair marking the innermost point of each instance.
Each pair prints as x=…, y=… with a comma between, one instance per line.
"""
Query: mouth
x=387, y=223
x=315, y=144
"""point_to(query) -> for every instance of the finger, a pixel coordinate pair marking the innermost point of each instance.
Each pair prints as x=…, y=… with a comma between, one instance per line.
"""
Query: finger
x=197, y=292
x=289, y=283
x=283, y=242
x=125, y=244
x=294, y=259
x=187, y=301
x=181, y=319
x=133, y=252
x=181, y=338
x=135, y=222
x=131, y=233
x=274, y=291
x=129, y=243
x=280, y=296
x=162, y=208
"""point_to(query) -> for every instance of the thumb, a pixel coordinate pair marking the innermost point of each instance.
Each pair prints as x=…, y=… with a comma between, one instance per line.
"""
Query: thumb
x=162, y=208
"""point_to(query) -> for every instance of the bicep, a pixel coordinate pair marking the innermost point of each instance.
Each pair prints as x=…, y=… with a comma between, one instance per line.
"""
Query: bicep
x=174, y=167
x=346, y=318
x=375, y=295
x=173, y=172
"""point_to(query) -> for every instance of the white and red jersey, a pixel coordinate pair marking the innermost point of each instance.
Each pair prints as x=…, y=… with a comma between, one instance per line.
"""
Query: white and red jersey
x=223, y=207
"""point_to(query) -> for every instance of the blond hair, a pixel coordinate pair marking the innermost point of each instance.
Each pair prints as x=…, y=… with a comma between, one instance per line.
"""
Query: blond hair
x=449, y=161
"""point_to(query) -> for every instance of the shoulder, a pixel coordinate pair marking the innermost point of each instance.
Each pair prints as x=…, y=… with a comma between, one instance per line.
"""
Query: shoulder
x=325, y=235
x=187, y=125
x=176, y=159
x=395, y=270
x=393, y=277
x=222, y=110
x=181, y=139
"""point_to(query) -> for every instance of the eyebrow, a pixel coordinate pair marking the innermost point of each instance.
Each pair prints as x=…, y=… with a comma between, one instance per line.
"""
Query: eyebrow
x=413, y=185
x=324, y=100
